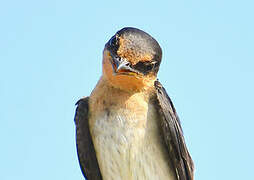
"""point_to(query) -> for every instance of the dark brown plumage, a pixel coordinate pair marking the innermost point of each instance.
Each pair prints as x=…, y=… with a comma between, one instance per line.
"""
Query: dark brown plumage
x=86, y=153
x=173, y=135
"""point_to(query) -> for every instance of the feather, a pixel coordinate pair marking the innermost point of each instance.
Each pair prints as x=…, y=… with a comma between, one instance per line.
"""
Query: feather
x=173, y=135
x=85, y=148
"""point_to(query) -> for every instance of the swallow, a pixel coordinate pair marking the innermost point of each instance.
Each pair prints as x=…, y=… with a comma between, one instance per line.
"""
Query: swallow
x=128, y=127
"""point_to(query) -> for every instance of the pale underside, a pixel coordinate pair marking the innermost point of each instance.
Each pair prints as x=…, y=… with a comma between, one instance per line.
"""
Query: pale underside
x=129, y=145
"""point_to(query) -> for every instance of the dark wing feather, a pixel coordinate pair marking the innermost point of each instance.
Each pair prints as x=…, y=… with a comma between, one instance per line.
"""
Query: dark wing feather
x=173, y=136
x=86, y=153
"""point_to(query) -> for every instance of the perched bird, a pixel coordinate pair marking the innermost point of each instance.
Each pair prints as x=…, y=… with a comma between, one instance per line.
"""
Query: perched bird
x=128, y=128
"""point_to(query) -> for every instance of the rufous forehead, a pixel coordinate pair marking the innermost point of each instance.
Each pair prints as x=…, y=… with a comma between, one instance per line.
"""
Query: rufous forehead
x=132, y=52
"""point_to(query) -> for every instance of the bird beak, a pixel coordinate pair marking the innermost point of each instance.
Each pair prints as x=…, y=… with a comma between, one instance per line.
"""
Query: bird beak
x=122, y=66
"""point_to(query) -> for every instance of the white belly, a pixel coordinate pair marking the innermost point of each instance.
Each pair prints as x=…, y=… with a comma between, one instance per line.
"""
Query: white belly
x=130, y=148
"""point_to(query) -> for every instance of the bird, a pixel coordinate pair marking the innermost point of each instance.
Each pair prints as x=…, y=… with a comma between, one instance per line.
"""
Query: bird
x=128, y=128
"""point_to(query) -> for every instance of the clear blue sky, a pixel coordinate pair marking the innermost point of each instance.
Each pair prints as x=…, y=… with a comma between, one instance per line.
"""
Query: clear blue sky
x=50, y=54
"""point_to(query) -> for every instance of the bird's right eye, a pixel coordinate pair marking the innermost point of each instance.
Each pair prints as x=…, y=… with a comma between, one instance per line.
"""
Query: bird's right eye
x=113, y=43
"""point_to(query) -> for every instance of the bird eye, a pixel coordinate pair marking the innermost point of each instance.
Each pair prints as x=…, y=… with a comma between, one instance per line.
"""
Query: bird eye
x=113, y=43
x=144, y=67
x=149, y=67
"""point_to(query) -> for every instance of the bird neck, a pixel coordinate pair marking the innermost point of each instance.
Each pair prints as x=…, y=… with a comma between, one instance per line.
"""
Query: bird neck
x=106, y=95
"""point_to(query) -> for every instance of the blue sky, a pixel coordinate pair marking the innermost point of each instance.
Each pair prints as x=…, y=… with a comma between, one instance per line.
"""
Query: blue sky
x=50, y=54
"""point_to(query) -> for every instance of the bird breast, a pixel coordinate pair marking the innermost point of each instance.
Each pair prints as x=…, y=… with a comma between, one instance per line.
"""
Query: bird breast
x=127, y=139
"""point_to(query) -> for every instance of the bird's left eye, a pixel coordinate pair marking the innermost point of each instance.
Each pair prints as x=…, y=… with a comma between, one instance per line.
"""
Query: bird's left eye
x=144, y=67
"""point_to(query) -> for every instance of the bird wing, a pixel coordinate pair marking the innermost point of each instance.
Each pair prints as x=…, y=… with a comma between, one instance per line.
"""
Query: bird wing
x=173, y=135
x=85, y=148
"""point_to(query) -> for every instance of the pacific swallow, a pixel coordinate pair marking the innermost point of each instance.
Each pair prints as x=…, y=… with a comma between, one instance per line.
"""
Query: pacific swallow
x=128, y=128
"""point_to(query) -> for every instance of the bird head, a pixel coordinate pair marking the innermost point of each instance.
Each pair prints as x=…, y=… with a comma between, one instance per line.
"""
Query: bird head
x=131, y=59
